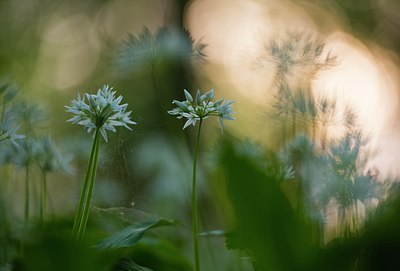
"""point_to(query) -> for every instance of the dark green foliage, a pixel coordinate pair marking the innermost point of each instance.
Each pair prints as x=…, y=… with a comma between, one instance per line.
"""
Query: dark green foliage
x=266, y=223
x=161, y=255
x=60, y=252
x=381, y=240
x=269, y=228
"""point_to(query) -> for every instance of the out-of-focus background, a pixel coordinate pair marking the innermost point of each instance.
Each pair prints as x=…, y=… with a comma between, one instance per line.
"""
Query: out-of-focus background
x=346, y=51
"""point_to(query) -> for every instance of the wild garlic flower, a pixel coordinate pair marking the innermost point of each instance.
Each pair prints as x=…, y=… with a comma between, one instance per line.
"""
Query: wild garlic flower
x=202, y=108
x=7, y=132
x=49, y=158
x=101, y=111
x=8, y=127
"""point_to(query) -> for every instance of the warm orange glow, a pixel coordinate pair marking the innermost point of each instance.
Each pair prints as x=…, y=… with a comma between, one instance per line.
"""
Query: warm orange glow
x=236, y=31
x=359, y=81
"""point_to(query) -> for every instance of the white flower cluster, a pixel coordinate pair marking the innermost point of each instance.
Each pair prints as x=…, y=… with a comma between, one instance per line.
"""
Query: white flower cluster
x=201, y=108
x=10, y=133
x=102, y=111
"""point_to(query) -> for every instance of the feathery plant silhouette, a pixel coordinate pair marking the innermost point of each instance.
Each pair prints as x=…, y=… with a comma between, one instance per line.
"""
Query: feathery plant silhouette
x=297, y=59
x=148, y=50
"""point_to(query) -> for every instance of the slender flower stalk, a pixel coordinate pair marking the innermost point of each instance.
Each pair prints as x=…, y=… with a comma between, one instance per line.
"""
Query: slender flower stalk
x=84, y=193
x=196, y=110
x=26, y=211
x=43, y=198
x=24, y=158
x=49, y=159
x=194, y=200
x=89, y=185
x=102, y=112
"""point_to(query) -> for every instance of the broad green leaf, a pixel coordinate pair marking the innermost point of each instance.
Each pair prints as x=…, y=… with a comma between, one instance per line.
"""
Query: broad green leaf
x=266, y=224
x=116, y=217
x=160, y=254
x=129, y=236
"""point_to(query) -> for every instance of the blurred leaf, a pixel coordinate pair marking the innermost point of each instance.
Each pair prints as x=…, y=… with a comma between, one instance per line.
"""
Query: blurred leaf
x=161, y=255
x=266, y=223
x=121, y=217
x=339, y=254
x=129, y=236
x=127, y=264
x=381, y=239
x=60, y=252
x=230, y=237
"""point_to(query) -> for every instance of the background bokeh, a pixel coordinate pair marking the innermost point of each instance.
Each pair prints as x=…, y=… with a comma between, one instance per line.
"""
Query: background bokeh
x=150, y=50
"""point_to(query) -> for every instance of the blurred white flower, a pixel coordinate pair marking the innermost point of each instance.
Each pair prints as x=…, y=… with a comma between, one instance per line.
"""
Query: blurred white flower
x=10, y=133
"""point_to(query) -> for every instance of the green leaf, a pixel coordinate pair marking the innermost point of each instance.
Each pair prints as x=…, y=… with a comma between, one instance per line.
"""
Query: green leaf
x=117, y=218
x=160, y=254
x=127, y=264
x=129, y=236
x=58, y=251
x=266, y=224
x=230, y=237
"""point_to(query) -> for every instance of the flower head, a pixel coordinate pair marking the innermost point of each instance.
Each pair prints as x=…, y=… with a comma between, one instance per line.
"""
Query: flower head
x=49, y=158
x=8, y=127
x=100, y=111
x=7, y=132
x=201, y=108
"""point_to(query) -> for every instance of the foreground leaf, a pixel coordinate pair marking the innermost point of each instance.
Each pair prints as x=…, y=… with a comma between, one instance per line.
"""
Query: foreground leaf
x=265, y=221
x=118, y=218
x=129, y=236
x=129, y=265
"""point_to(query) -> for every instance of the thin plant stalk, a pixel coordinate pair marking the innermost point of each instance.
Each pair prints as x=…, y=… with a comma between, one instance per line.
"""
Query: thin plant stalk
x=26, y=194
x=78, y=215
x=194, y=203
x=4, y=230
x=43, y=197
x=156, y=84
x=86, y=211
x=84, y=193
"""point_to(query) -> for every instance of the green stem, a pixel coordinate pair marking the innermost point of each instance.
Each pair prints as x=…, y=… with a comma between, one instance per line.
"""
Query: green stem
x=284, y=130
x=194, y=205
x=26, y=193
x=79, y=214
x=314, y=130
x=156, y=85
x=294, y=124
x=86, y=210
x=3, y=111
x=43, y=197
x=4, y=234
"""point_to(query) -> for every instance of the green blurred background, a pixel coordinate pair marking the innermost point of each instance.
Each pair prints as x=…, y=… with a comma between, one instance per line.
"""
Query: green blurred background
x=149, y=51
